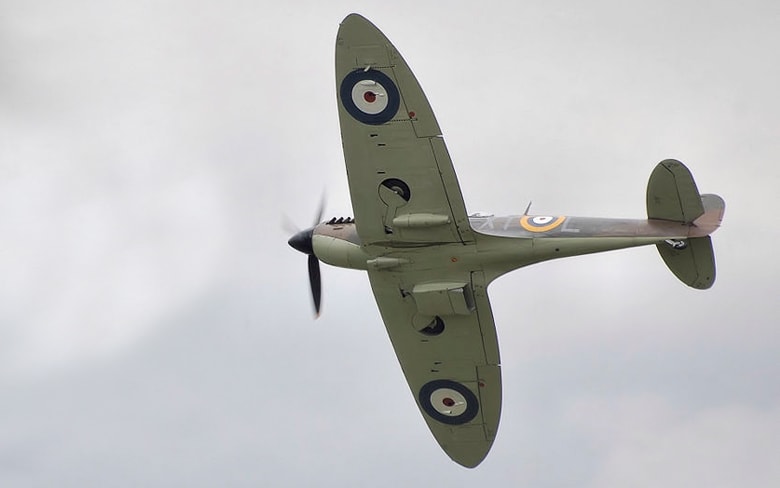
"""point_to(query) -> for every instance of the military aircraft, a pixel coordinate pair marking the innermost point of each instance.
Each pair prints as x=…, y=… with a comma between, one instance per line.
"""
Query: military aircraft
x=430, y=263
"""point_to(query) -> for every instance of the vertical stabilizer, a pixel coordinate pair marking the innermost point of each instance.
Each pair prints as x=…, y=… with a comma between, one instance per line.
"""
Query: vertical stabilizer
x=672, y=193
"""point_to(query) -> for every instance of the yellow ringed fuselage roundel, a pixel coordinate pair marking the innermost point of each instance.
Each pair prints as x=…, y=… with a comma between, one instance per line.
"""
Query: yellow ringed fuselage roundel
x=370, y=96
x=540, y=223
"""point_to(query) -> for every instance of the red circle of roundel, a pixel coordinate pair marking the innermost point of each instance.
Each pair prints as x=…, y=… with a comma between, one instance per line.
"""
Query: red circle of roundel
x=370, y=97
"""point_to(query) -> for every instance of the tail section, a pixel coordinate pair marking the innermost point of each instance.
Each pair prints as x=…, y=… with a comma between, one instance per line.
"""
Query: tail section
x=672, y=195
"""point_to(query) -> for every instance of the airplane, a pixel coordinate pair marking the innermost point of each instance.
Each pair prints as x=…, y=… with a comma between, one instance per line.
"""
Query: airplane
x=430, y=263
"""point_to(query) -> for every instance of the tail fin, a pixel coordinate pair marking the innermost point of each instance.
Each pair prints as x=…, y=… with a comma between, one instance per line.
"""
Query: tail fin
x=672, y=195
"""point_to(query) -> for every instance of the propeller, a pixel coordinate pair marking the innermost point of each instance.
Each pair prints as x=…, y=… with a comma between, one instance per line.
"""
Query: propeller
x=302, y=242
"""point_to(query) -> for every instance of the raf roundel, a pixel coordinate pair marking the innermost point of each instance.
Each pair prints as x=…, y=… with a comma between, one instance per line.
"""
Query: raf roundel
x=448, y=402
x=370, y=96
x=540, y=223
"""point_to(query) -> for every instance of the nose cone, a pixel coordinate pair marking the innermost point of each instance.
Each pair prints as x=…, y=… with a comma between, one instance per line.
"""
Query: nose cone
x=301, y=241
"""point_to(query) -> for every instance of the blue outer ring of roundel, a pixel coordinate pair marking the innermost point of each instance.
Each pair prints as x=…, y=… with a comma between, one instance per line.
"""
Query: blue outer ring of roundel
x=472, y=405
x=393, y=102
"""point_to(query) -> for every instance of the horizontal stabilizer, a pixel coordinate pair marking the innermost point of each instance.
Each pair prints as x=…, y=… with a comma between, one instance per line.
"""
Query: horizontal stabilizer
x=694, y=264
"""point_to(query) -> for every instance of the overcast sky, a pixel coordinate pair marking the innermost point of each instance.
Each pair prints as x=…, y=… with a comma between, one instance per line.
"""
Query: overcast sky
x=156, y=329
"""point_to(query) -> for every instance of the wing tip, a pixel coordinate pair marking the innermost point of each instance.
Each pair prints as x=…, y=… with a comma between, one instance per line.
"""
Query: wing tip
x=360, y=30
x=468, y=455
x=355, y=18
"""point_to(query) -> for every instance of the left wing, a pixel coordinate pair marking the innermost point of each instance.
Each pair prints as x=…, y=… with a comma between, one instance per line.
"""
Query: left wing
x=401, y=180
x=445, y=339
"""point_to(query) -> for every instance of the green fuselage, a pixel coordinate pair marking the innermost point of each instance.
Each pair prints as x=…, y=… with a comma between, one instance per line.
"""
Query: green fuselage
x=502, y=244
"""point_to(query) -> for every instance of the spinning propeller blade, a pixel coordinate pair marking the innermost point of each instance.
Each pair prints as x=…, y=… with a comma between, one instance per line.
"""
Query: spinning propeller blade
x=314, y=281
x=302, y=242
